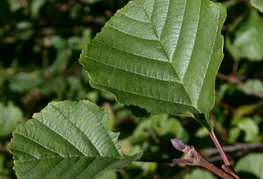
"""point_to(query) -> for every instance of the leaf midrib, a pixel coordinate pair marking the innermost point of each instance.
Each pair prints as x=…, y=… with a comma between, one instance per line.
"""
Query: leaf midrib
x=191, y=104
x=165, y=52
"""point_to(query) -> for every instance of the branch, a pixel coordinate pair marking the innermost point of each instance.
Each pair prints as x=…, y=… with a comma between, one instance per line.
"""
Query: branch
x=224, y=105
x=4, y=150
x=235, y=80
x=233, y=148
x=4, y=175
x=238, y=150
x=194, y=158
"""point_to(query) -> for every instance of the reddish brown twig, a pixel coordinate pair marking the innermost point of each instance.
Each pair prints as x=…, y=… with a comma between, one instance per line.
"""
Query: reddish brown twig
x=233, y=148
x=235, y=80
x=224, y=105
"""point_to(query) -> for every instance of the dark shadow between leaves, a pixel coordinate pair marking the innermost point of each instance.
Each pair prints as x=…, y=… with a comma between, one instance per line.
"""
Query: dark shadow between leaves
x=138, y=112
x=247, y=175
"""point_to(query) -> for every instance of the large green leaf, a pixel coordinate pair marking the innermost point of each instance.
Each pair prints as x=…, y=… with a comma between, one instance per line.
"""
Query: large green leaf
x=161, y=55
x=67, y=140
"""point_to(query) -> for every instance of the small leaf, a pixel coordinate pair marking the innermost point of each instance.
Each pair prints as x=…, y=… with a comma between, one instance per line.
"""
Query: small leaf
x=67, y=140
x=24, y=82
x=254, y=84
x=199, y=173
x=257, y=4
x=248, y=109
x=250, y=166
x=249, y=127
x=160, y=55
x=10, y=117
x=246, y=43
x=233, y=134
x=110, y=175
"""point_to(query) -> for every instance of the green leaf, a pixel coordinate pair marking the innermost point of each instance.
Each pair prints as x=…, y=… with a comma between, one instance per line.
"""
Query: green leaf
x=249, y=127
x=67, y=140
x=199, y=173
x=233, y=134
x=246, y=43
x=248, y=109
x=10, y=117
x=23, y=82
x=161, y=55
x=250, y=166
x=257, y=4
x=110, y=175
x=254, y=84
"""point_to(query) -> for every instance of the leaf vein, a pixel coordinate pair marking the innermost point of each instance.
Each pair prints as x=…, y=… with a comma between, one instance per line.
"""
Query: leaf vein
x=129, y=52
x=21, y=151
x=160, y=41
x=147, y=96
x=51, y=169
x=106, y=131
x=136, y=73
x=132, y=35
x=137, y=20
x=38, y=143
x=61, y=113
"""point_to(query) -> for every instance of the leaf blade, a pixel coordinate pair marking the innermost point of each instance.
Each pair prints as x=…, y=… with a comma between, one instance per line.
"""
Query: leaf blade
x=258, y=4
x=157, y=55
x=67, y=140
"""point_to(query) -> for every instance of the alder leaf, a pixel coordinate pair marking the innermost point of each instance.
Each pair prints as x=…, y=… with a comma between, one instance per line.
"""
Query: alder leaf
x=67, y=140
x=161, y=55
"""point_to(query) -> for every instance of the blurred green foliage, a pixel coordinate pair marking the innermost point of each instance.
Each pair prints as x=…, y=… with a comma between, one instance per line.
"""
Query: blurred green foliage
x=40, y=44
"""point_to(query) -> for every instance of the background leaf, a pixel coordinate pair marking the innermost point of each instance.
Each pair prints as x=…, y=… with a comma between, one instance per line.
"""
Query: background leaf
x=254, y=84
x=10, y=117
x=248, y=126
x=257, y=4
x=160, y=55
x=250, y=166
x=24, y=82
x=199, y=173
x=245, y=43
x=67, y=140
